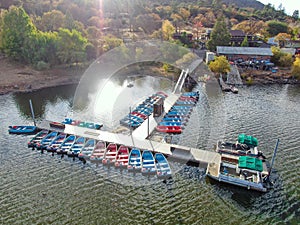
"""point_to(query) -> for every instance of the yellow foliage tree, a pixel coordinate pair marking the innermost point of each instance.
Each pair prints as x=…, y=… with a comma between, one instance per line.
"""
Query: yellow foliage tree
x=167, y=30
x=220, y=65
x=296, y=68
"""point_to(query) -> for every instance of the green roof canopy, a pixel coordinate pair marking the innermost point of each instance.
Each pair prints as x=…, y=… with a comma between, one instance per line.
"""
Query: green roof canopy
x=250, y=163
x=248, y=140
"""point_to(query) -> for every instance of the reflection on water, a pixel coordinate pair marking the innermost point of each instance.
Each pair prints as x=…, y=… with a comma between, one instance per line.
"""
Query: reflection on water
x=44, y=98
x=39, y=188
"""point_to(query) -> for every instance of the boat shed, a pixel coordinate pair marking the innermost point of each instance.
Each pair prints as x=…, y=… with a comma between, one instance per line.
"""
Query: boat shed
x=244, y=53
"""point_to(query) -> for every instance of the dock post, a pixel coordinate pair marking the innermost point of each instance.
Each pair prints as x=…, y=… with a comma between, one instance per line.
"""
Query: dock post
x=273, y=158
x=32, y=112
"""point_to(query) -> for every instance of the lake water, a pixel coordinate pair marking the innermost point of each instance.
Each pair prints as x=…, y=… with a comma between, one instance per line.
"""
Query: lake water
x=40, y=188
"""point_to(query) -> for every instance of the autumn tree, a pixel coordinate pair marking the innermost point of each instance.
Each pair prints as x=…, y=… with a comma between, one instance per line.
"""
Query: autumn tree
x=167, y=30
x=220, y=35
x=251, y=27
x=296, y=68
x=220, y=65
x=282, y=38
x=52, y=21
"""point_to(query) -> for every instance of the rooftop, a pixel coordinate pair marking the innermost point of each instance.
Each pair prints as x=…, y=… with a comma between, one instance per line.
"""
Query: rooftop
x=226, y=50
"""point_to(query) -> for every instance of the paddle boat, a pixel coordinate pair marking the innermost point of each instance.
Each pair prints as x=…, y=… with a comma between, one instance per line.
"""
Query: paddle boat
x=56, y=143
x=122, y=157
x=66, y=145
x=148, y=163
x=87, y=150
x=179, y=114
x=99, y=152
x=162, y=166
x=173, y=119
x=22, y=129
x=37, y=138
x=46, y=140
x=135, y=160
x=188, y=98
x=110, y=155
x=179, y=102
x=169, y=129
x=76, y=147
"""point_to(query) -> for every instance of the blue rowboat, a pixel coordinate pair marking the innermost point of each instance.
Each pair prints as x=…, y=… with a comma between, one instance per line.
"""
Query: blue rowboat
x=168, y=123
x=56, y=143
x=172, y=119
x=130, y=122
x=37, y=138
x=162, y=166
x=87, y=150
x=66, y=145
x=22, y=129
x=178, y=102
x=181, y=107
x=46, y=140
x=190, y=94
x=135, y=160
x=184, y=111
x=148, y=163
x=76, y=147
x=174, y=113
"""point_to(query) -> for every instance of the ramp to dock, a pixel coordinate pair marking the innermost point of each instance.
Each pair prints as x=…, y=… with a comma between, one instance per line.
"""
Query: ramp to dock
x=143, y=131
x=234, y=77
x=180, y=82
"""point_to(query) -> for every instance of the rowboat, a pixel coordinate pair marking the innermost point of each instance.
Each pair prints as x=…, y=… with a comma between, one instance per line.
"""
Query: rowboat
x=110, y=155
x=162, y=166
x=57, y=125
x=37, y=138
x=188, y=98
x=99, y=152
x=168, y=123
x=76, y=147
x=87, y=150
x=173, y=119
x=148, y=163
x=122, y=157
x=66, y=145
x=143, y=116
x=130, y=123
x=169, y=129
x=179, y=102
x=161, y=93
x=22, y=129
x=46, y=140
x=178, y=114
x=181, y=107
x=135, y=160
x=195, y=94
x=180, y=111
x=56, y=143
x=79, y=123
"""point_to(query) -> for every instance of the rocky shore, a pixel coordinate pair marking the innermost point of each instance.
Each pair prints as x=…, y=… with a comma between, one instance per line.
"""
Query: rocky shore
x=251, y=77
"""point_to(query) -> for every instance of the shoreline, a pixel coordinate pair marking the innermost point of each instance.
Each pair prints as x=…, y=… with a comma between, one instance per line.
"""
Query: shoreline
x=19, y=78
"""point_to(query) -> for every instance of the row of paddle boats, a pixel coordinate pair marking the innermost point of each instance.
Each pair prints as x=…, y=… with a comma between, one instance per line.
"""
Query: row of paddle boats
x=135, y=118
x=78, y=123
x=177, y=117
x=97, y=151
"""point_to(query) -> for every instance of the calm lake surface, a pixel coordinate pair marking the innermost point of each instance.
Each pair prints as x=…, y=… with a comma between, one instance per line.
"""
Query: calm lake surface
x=40, y=188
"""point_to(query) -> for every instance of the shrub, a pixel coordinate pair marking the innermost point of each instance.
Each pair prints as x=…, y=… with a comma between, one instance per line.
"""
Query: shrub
x=41, y=65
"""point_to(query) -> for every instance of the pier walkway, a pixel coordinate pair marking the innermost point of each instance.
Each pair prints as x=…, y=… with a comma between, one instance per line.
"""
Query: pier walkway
x=138, y=137
x=171, y=150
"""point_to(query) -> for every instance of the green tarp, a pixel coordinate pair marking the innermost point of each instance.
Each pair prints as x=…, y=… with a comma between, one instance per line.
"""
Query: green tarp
x=248, y=140
x=250, y=163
